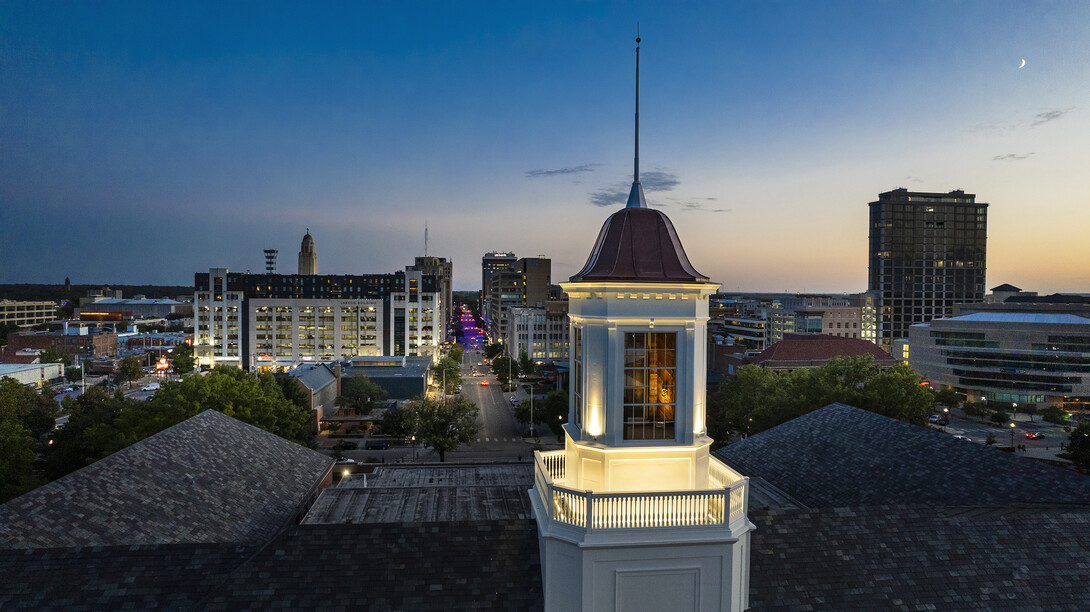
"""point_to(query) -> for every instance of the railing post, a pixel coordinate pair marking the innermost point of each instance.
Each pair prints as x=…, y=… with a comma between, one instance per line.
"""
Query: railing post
x=590, y=515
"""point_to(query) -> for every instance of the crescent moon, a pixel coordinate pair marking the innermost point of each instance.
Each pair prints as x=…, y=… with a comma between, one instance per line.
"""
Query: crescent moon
x=1023, y=63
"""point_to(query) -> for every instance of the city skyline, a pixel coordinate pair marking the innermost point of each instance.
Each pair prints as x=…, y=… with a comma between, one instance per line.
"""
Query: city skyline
x=143, y=143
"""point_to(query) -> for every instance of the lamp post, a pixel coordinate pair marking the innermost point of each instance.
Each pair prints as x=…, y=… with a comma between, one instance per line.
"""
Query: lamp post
x=945, y=418
x=1012, y=436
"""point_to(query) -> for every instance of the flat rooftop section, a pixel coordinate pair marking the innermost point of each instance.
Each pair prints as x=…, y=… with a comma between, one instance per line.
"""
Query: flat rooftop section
x=1039, y=318
x=424, y=494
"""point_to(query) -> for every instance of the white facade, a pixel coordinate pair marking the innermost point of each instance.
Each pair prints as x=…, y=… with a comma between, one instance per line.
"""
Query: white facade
x=534, y=331
x=25, y=314
x=217, y=323
x=286, y=332
x=634, y=513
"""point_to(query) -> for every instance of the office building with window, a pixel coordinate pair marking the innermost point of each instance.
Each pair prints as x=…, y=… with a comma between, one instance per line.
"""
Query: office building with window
x=1028, y=358
x=927, y=254
x=273, y=322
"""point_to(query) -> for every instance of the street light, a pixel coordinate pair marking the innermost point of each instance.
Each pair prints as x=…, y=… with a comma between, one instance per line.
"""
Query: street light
x=1012, y=436
x=945, y=418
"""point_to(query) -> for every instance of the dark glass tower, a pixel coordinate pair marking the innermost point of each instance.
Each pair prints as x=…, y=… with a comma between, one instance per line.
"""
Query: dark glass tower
x=927, y=253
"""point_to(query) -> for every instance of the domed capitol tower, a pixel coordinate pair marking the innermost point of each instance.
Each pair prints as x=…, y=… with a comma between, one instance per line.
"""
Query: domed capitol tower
x=634, y=513
x=308, y=257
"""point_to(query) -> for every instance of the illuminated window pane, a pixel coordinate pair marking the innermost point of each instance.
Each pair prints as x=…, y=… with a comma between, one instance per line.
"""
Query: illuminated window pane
x=650, y=389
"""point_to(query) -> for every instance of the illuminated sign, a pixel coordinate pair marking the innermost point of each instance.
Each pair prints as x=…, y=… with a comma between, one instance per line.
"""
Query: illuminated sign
x=162, y=364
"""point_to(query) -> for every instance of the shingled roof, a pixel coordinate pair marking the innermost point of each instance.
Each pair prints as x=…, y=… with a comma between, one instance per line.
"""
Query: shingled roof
x=478, y=565
x=842, y=456
x=208, y=479
x=912, y=558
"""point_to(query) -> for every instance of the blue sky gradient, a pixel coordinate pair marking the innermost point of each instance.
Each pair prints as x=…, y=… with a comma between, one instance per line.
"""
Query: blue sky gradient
x=143, y=142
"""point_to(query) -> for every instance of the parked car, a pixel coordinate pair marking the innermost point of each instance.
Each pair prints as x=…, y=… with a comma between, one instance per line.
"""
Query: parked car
x=962, y=438
x=378, y=445
x=514, y=401
x=346, y=445
x=933, y=418
x=151, y=387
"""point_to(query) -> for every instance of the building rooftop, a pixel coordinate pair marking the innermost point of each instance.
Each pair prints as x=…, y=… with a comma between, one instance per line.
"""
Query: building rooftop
x=1006, y=287
x=638, y=245
x=840, y=456
x=315, y=376
x=802, y=350
x=428, y=494
x=208, y=479
x=914, y=558
x=1038, y=318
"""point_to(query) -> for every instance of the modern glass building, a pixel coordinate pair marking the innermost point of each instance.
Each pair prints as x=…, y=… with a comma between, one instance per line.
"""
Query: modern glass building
x=927, y=253
x=1008, y=357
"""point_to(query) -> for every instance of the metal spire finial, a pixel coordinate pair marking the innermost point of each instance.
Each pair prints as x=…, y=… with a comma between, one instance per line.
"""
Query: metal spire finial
x=635, y=197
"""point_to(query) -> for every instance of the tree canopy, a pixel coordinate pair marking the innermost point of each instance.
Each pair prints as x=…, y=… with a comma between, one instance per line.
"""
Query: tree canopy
x=360, y=395
x=755, y=399
x=25, y=416
x=447, y=371
x=493, y=350
x=101, y=424
x=129, y=370
x=504, y=366
x=552, y=410
x=443, y=425
x=53, y=355
x=181, y=358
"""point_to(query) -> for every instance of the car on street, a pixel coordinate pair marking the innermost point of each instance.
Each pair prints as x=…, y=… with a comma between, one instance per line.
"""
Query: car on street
x=346, y=460
x=150, y=387
x=377, y=445
x=962, y=438
x=484, y=383
x=933, y=418
x=514, y=401
x=1034, y=434
x=349, y=445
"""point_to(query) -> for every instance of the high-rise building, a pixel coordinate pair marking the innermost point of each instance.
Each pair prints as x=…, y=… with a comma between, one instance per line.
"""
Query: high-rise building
x=308, y=257
x=492, y=263
x=270, y=261
x=524, y=284
x=443, y=271
x=927, y=254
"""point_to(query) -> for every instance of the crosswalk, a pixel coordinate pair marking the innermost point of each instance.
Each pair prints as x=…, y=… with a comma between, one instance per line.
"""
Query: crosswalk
x=516, y=439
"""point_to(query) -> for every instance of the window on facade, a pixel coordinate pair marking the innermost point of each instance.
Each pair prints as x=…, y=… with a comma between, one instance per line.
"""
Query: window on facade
x=650, y=385
x=577, y=375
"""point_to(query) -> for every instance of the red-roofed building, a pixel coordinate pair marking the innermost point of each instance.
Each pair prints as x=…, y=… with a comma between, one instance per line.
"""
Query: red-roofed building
x=815, y=350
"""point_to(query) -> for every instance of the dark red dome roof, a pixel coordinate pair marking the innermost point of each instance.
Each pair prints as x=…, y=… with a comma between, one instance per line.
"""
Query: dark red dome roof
x=638, y=244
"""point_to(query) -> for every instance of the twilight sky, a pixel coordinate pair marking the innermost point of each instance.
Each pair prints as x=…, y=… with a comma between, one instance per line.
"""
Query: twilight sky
x=141, y=142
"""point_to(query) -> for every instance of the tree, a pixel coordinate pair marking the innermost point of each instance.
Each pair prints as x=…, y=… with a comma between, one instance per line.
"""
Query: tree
x=974, y=410
x=456, y=352
x=129, y=370
x=504, y=366
x=400, y=423
x=990, y=440
x=53, y=355
x=360, y=395
x=444, y=425
x=492, y=350
x=73, y=374
x=1054, y=414
x=1078, y=447
x=551, y=410
x=526, y=365
x=25, y=416
x=755, y=399
x=1000, y=416
x=947, y=397
x=447, y=372
x=181, y=358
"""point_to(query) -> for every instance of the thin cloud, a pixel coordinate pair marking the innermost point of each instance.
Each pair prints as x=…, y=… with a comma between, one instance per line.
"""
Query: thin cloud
x=652, y=181
x=562, y=171
x=1011, y=157
x=701, y=208
x=914, y=179
x=1045, y=117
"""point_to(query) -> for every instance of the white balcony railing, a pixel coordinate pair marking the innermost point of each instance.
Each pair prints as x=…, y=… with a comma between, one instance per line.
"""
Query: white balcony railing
x=723, y=503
